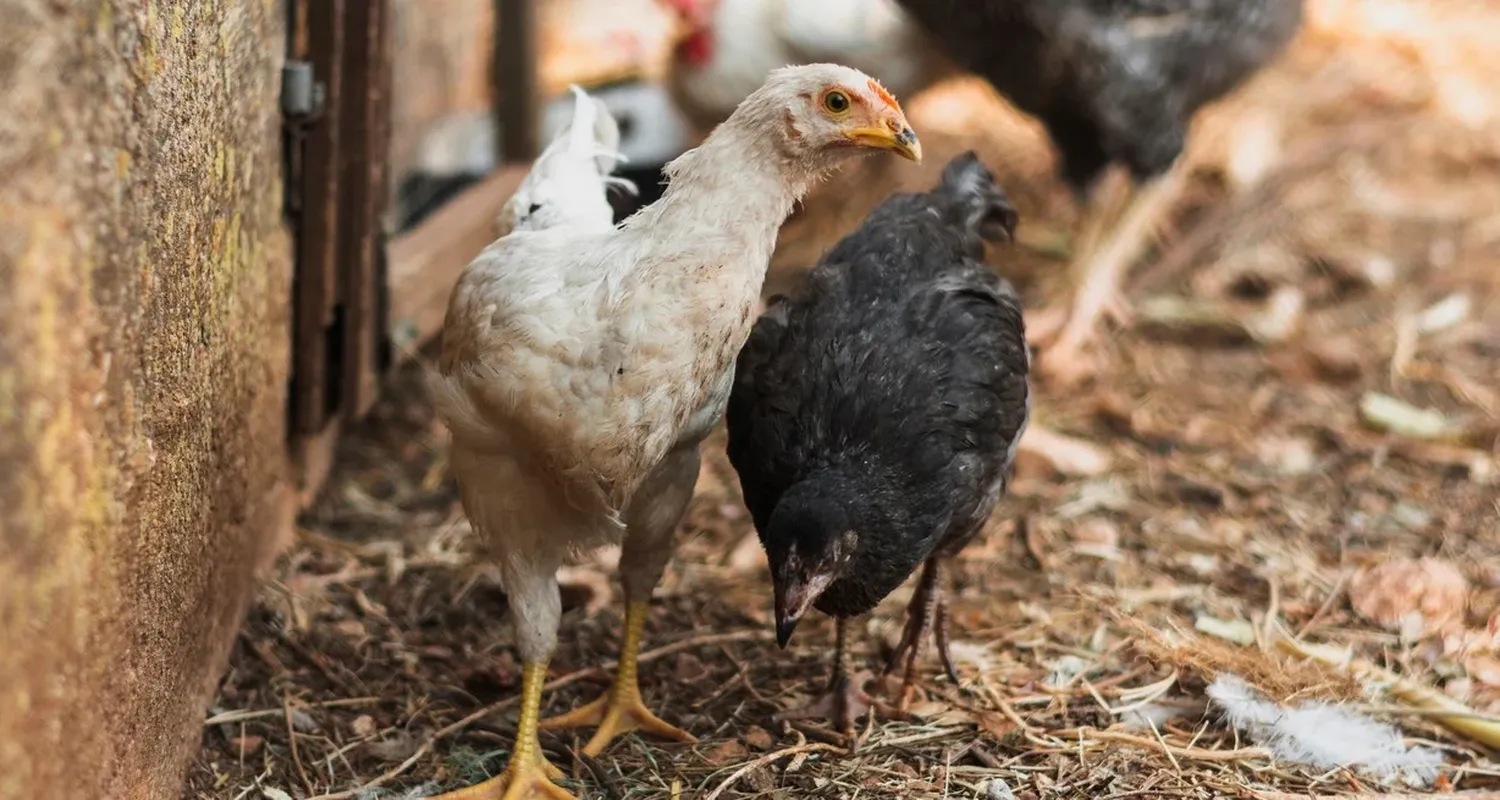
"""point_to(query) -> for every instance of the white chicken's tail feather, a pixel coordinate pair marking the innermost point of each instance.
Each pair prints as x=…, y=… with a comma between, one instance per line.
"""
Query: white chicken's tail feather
x=569, y=182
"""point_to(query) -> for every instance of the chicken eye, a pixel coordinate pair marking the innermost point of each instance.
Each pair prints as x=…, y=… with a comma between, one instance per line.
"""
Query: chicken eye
x=836, y=102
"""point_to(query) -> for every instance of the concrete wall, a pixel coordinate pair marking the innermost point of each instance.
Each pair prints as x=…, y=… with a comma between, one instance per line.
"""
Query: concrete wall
x=144, y=280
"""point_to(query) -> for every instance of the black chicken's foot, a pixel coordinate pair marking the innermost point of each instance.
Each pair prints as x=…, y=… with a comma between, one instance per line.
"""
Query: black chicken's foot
x=845, y=700
x=927, y=612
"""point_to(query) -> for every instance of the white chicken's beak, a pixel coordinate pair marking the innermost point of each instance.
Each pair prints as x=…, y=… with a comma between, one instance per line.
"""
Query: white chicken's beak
x=897, y=137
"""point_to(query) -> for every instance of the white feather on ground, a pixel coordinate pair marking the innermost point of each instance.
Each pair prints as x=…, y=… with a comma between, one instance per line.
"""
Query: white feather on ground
x=1324, y=736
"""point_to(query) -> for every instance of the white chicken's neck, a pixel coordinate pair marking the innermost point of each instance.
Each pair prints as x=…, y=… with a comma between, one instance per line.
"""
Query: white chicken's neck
x=732, y=192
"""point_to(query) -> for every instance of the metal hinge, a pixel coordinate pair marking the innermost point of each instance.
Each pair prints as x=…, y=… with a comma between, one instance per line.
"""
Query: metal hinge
x=304, y=103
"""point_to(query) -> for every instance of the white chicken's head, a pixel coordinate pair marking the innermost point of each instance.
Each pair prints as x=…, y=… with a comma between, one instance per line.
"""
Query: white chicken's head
x=821, y=112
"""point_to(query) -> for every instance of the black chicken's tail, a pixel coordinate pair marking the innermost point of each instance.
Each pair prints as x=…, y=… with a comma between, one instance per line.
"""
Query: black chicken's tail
x=982, y=206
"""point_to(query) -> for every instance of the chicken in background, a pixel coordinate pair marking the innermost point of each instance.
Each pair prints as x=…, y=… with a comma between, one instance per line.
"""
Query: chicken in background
x=456, y=153
x=876, y=413
x=726, y=48
x=461, y=149
x=583, y=364
x=1113, y=82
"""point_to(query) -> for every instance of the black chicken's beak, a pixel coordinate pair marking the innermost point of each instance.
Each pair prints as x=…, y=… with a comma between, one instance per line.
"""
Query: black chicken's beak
x=794, y=596
x=784, y=628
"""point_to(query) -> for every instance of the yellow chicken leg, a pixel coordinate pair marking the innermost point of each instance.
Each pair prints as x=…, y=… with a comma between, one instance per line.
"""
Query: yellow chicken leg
x=621, y=710
x=1107, y=254
x=529, y=775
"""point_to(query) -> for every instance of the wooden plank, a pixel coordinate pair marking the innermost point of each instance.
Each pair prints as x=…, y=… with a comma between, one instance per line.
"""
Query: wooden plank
x=381, y=194
x=426, y=261
x=315, y=285
x=362, y=107
x=517, y=103
x=313, y=458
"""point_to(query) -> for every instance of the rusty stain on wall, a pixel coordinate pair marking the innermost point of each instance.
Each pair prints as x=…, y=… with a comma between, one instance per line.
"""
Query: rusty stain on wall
x=144, y=286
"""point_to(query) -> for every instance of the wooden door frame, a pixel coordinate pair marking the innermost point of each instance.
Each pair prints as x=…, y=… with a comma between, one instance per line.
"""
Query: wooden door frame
x=362, y=299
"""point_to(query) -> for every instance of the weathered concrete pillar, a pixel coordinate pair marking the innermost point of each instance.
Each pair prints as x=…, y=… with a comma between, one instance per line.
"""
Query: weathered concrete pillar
x=144, y=286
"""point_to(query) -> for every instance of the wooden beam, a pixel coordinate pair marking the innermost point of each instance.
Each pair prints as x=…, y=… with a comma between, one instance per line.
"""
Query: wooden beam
x=426, y=261
x=516, y=84
x=316, y=286
x=312, y=459
x=364, y=108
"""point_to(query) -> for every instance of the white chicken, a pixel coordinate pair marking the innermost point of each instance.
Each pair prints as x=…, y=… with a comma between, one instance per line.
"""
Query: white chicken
x=728, y=46
x=583, y=364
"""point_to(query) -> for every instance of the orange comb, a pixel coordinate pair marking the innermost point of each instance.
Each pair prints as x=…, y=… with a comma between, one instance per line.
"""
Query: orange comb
x=880, y=92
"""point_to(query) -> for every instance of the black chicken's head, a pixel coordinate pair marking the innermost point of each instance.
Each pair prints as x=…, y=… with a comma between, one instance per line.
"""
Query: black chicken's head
x=809, y=542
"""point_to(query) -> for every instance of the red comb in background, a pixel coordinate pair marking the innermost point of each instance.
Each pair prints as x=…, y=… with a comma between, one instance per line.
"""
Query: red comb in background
x=687, y=8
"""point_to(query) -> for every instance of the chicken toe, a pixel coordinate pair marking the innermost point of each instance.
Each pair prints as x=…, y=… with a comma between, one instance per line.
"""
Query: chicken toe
x=529, y=776
x=622, y=709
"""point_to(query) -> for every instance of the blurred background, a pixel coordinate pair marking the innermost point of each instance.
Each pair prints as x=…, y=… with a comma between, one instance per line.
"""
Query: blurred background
x=1294, y=429
x=227, y=238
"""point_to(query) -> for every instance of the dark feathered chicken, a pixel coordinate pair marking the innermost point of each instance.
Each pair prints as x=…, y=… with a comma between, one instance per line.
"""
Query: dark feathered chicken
x=1112, y=81
x=875, y=414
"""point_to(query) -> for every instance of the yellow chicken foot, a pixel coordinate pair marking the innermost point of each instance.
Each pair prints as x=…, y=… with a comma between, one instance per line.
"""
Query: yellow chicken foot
x=1102, y=266
x=621, y=710
x=1104, y=203
x=927, y=613
x=529, y=775
x=845, y=701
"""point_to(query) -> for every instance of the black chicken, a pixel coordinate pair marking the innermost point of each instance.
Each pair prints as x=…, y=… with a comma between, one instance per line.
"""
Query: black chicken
x=875, y=414
x=1113, y=81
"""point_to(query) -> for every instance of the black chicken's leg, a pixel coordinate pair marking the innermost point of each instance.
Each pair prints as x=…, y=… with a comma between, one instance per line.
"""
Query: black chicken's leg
x=927, y=612
x=845, y=699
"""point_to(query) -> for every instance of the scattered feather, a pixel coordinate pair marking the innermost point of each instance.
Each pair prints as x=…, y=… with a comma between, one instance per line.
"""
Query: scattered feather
x=1452, y=714
x=1324, y=736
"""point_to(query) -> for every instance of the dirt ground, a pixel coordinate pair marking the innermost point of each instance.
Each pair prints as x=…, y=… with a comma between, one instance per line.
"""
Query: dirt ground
x=1306, y=408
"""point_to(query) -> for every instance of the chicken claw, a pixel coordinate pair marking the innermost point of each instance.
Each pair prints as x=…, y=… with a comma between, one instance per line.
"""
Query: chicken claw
x=529, y=775
x=621, y=710
x=927, y=612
